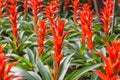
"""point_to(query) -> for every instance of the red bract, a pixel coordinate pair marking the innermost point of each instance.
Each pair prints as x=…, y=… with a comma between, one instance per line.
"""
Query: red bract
x=36, y=5
x=107, y=14
x=86, y=17
x=5, y=67
x=2, y=5
x=112, y=62
x=59, y=35
x=75, y=6
x=41, y=36
x=51, y=10
x=66, y=4
x=25, y=6
x=13, y=15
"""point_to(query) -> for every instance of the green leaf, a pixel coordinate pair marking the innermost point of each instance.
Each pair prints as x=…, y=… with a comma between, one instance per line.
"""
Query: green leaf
x=43, y=70
x=76, y=74
x=64, y=67
x=24, y=73
x=82, y=49
x=30, y=55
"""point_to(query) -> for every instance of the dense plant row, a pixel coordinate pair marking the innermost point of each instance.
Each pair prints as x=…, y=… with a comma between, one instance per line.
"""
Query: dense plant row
x=58, y=40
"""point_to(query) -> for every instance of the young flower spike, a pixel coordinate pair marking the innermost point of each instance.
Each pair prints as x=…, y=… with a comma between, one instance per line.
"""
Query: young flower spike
x=75, y=6
x=13, y=15
x=5, y=67
x=107, y=14
x=41, y=36
x=86, y=17
x=112, y=62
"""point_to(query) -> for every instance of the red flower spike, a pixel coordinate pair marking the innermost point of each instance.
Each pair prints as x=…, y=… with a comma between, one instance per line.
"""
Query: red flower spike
x=2, y=5
x=25, y=6
x=41, y=36
x=66, y=4
x=86, y=18
x=51, y=11
x=90, y=44
x=12, y=9
x=107, y=14
x=112, y=62
x=5, y=67
x=75, y=6
x=36, y=5
x=59, y=35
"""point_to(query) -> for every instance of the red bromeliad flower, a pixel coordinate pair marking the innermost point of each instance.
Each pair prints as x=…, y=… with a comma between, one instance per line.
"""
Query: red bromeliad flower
x=36, y=5
x=12, y=9
x=41, y=36
x=66, y=4
x=86, y=20
x=59, y=36
x=107, y=14
x=51, y=11
x=2, y=4
x=5, y=67
x=75, y=6
x=25, y=6
x=112, y=62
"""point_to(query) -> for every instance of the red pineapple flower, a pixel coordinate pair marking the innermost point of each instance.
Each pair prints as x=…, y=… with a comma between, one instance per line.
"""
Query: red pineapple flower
x=112, y=62
x=36, y=5
x=2, y=5
x=41, y=36
x=86, y=20
x=59, y=36
x=66, y=4
x=12, y=9
x=25, y=6
x=5, y=67
x=107, y=14
x=51, y=11
x=75, y=6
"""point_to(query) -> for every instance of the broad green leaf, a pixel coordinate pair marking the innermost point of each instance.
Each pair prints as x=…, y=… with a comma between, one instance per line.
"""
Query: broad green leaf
x=24, y=73
x=76, y=74
x=45, y=75
x=64, y=67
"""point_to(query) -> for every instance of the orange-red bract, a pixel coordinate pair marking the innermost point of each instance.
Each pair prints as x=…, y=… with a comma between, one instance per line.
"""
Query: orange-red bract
x=112, y=62
x=41, y=36
x=107, y=14
x=86, y=18
x=5, y=67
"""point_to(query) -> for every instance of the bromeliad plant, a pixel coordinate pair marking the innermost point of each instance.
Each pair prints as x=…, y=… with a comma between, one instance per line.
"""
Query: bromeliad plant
x=59, y=36
x=44, y=48
x=111, y=62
